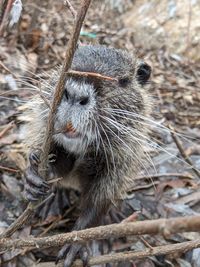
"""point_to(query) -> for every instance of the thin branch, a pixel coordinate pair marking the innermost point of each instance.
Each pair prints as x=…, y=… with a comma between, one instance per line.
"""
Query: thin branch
x=45, y=200
x=72, y=10
x=23, y=218
x=8, y=169
x=132, y=255
x=7, y=70
x=71, y=48
x=76, y=73
x=4, y=14
x=188, y=41
x=158, y=175
x=160, y=226
x=183, y=154
x=18, y=222
x=7, y=128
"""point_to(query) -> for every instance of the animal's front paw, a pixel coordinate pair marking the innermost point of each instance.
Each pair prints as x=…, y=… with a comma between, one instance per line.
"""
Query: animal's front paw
x=35, y=186
x=70, y=252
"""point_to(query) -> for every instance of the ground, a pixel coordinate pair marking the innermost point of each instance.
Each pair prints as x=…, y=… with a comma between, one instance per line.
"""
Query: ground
x=170, y=186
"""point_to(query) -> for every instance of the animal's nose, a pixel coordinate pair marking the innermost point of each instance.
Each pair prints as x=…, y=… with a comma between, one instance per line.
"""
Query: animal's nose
x=73, y=99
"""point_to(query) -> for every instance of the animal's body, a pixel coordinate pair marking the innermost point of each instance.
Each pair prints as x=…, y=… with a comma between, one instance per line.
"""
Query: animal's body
x=97, y=127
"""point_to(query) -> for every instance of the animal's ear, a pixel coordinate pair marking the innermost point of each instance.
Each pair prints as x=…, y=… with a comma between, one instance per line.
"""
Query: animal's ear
x=143, y=73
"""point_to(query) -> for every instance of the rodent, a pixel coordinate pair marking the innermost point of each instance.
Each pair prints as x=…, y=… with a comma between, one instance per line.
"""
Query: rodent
x=97, y=148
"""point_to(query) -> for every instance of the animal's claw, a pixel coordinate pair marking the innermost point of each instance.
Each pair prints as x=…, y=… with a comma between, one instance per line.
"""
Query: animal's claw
x=70, y=253
x=33, y=179
x=35, y=186
x=34, y=158
x=34, y=193
x=63, y=252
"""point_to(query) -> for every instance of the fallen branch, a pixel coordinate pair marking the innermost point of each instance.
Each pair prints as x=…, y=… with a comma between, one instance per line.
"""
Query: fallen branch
x=160, y=226
x=158, y=175
x=71, y=48
x=132, y=255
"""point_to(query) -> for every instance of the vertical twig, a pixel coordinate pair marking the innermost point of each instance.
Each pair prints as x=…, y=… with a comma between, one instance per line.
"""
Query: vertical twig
x=188, y=27
x=6, y=7
x=71, y=48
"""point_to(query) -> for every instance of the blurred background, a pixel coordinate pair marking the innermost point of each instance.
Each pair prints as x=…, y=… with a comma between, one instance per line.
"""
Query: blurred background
x=33, y=39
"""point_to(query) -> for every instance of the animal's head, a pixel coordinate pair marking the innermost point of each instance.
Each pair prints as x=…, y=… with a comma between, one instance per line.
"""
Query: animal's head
x=96, y=111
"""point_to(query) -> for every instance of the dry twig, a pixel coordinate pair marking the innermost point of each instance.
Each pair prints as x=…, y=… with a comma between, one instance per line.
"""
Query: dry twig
x=183, y=154
x=6, y=129
x=8, y=169
x=5, y=9
x=160, y=226
x=71, y=48
x=95, y=75
x=7, y=69
x=132, y=255
x=72, y=10
x=188, y=27
x=158, y=175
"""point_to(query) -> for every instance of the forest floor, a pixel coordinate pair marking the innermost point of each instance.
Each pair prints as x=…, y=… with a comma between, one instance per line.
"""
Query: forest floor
x=169, y=187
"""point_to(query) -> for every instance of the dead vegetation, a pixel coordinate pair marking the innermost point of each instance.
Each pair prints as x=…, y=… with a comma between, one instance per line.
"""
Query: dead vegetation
x=28, y=53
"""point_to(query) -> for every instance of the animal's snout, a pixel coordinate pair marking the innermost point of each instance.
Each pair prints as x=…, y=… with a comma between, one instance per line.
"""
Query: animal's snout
x=78, y=102
x=76, y=98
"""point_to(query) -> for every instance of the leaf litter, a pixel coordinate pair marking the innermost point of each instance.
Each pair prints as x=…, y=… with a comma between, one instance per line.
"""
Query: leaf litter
x=28, y=52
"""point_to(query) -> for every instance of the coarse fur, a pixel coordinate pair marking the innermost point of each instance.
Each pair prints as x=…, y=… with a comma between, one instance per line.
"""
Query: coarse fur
x=106, y=147
x=99, y=134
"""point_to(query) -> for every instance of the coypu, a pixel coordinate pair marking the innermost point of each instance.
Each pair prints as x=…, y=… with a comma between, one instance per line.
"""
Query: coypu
x=97, y=128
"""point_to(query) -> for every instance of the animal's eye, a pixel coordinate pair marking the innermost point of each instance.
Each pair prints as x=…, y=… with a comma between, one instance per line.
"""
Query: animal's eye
x=84, y=101
x=143, y=73
x=123, y=82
